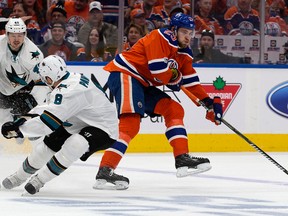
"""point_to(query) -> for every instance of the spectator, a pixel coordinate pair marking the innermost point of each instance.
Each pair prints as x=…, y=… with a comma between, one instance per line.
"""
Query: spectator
x=107, y=30
x=205, y=7
x=185, y=4
x=58, y=13
x=274, y=24
x=77, y=15
x=110, y=10
x=208, y=54
x=281, y=4
x=219, y=7
x=155, y=21
x=256, y=4
x=20, y=10
x=147, y=6
x=165, y=9
x=94, y=50
x=6, y=8
x=133, y=33
x=137, y=17
x=242, y=19
x=57, y=45
x=37, y=11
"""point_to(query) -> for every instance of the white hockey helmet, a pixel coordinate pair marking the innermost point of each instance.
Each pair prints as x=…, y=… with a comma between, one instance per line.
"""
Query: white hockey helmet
x=15, y=25
x=53, y=67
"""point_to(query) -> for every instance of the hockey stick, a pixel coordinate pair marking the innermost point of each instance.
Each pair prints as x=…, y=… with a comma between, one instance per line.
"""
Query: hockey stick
x=196, y=100
x=26, y=116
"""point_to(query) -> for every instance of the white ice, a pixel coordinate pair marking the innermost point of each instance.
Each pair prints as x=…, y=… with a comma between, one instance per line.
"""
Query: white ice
x=238, y=184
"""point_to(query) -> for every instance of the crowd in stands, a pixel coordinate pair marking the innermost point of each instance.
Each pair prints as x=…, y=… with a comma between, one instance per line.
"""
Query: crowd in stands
x=85, y=30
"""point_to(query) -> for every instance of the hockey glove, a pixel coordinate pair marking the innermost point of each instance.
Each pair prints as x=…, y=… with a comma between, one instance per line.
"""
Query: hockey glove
x=176, y=80
x=214, y=112
x=11, y=129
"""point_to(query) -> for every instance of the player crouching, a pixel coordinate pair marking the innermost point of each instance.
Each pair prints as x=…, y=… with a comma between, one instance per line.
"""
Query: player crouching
x=78, y=118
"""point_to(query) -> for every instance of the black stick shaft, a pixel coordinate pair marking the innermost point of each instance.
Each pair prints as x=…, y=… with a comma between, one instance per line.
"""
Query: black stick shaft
x=195, y=99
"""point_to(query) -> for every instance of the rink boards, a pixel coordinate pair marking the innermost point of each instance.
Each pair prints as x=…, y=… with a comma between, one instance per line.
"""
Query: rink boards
x=157, y=143
x=254, y=100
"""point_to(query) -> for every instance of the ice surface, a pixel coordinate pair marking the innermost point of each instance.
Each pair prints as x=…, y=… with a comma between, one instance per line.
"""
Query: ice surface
x=238, y=184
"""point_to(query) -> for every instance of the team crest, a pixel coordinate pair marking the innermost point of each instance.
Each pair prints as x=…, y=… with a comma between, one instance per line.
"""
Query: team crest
x=35, y=54
x=16, y=79
x=272, y=29
x=246, y=28
x=172, y=63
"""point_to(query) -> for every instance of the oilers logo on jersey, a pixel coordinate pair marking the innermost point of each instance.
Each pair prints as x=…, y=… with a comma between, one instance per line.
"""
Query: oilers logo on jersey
x=246, y=28
x=272, y=29
x=173, y=63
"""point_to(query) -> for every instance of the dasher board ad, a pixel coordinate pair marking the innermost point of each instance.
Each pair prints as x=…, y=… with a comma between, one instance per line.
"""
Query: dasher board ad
x=255, y=100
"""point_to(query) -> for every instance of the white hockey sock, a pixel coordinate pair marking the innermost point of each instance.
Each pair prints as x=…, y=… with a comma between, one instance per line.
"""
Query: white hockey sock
x=73, y=148
x=40, y=154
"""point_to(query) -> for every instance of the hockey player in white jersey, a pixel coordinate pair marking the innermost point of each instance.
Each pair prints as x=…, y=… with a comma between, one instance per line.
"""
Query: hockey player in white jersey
x=18, y=57
x=76, y=103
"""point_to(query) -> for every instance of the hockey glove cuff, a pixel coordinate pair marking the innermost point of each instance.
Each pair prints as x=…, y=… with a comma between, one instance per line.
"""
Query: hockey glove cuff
x=214, y=112
x=11, y=129
x=218, y=110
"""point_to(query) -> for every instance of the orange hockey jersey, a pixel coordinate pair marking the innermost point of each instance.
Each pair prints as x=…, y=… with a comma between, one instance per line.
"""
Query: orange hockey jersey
x=150, y=59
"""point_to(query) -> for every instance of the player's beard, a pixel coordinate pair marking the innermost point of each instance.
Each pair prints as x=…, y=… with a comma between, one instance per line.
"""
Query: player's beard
x=183, y=45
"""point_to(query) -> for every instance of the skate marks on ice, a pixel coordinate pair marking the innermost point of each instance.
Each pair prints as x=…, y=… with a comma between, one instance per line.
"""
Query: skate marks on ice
x=245, y=186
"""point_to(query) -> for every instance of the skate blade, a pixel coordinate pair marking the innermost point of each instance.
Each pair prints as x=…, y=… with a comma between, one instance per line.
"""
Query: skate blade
x=26, y=194
x=102, y=184
x=184, y=171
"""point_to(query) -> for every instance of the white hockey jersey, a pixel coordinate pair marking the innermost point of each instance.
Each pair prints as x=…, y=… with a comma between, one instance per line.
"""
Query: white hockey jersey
x=78, y=103
x=13, y=67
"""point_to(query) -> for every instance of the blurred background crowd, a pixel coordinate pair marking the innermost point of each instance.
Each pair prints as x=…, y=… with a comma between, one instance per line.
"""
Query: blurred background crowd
x=227, y=31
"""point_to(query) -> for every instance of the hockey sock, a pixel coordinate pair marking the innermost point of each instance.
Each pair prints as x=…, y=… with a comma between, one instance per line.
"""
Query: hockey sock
x=26, y=170
x=129, y=125
x=173, y=114
x=40, y=155
x=73, y=148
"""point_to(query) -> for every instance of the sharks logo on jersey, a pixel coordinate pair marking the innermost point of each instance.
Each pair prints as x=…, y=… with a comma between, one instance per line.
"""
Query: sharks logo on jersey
x=35, y=54
x=15, y=79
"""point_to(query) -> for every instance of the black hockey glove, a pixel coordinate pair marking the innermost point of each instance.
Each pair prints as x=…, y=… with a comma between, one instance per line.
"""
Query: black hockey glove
x=215, y=111
x=11, y=129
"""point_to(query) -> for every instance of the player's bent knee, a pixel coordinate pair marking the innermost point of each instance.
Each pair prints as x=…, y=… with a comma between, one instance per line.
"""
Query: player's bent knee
x=75, y=146
x=129, y=124
x=173, y=111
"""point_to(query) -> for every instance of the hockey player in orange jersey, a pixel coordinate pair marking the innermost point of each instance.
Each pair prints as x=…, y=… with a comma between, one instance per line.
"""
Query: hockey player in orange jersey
x=163, y=57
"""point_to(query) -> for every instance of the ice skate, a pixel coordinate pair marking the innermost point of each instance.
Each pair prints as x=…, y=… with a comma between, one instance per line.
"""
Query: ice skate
x=188, y=165
x=34, y=184
x=12, y=181
x=106, y=175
